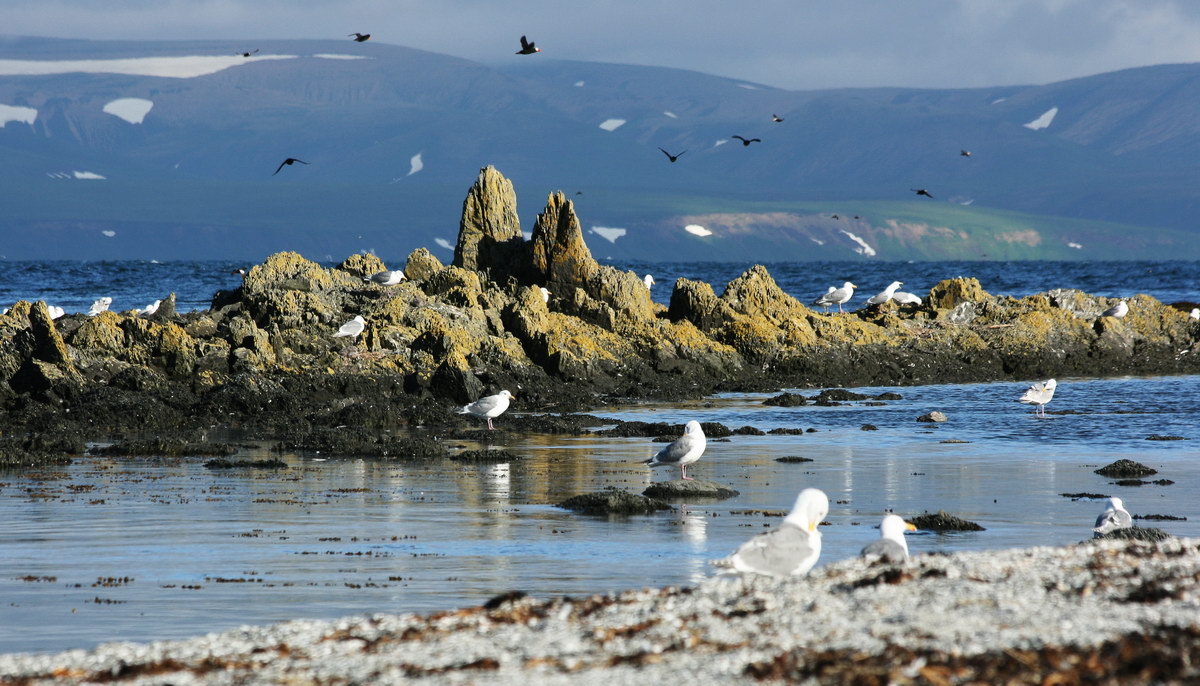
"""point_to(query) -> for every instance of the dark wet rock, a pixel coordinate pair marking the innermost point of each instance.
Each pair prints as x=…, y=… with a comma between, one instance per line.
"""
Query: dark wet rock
x=164, y=448
x=889, y=396
x=1125, y=469
x=1157, y=437
x=37, y=450
x=1084, y=496
x=749, y=431
x=613, y=501
x=787, y=432
x=839, y=395
x=345, y=443
x=954, y=440
x=1140, y=482
x=578, y=424
x=1135, y=533
x=222, y=463
x=810, y=430
x=681, y=489
x=786, y=400
x=934, y=416
x=663, y=429
x=869, y=427
x=943, y=522
x=788, y=459
x=489, y=456
x=872, y=403
x=1161, y=517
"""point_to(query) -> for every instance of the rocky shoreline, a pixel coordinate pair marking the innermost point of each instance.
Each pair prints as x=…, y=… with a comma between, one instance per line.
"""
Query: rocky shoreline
x=1110, y=612
x=262, y=359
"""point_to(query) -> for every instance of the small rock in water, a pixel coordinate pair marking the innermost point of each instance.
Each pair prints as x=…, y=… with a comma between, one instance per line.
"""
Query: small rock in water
x=793, y=458
x=1084, y=496
x=613, y=501
x=692, y=488
x=787, y=400
x=1157, y=437
x=786, y=432
x=954, y=440
x=1135, y=533
x=934, y=416
x=485, y=456
x=1125, y=469
x=222, y=463
x=943, y=522
x=889, y=396
x=869, y=427
x=749, y=431
x=840, y=395
x=1139, y=482
x=1160, y=518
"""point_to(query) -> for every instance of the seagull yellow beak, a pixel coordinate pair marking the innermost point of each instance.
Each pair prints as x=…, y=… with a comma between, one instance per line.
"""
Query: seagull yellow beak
x=812, y=526
x=909, y=526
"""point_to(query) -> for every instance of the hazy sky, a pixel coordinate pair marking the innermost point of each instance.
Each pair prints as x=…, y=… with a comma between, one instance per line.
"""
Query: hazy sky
x=786, y=43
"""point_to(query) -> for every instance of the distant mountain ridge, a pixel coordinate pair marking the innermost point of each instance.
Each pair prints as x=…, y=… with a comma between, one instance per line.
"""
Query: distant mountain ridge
x=1101, y=167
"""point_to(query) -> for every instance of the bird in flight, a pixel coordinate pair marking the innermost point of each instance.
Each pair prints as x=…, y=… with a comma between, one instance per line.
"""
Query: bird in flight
x=776, y=118
x=288, y=162
x=921, y=191
x=746, y=141
x=672, y=157
x=528, y=47
x=964, y=153
x=247, y=54
x=834, y=216
x=360, y=37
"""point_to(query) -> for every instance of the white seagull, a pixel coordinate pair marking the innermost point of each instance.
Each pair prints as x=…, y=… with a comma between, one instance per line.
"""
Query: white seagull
x=55, y=311
x=1038, y=395
x=790, y=550
x=386, y=278
x=648, y=280
x=842, y=295
x=890, y=546
x=1195, y=313
x=352, y=328
x=151, y=308
x=1114, y=517
x=683, y=450
x=488, y=408
x=99, y=306
x=824, y=300
x=887, y=294
x=1117, y=311
x=903, y=298
x=545, y=293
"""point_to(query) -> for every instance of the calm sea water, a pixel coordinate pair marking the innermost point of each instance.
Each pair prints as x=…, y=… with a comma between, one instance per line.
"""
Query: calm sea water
x=134, y=284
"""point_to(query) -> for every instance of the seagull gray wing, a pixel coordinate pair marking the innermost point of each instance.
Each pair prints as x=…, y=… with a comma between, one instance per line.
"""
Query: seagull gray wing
x=778, y=552
x=1111, y=520
x=677, y=450
x=485, y=406
x=884, y=549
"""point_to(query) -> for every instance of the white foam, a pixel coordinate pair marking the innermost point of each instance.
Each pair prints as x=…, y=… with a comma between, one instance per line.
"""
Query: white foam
x=170, y=67
x=443, y=243
x=109, y=234
x=612, y=124
x=25, y=115
x=863, y=248
x=579, y=84
x=1077, y=246
x=89, y=175
x=132, y=110
x=697, y=230
x=670, y=114
x=1044, y=120
x=608, y=233
x=334, y=56
x=415, y=164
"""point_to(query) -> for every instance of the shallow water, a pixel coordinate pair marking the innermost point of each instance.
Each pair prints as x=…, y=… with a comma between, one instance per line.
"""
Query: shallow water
x=327, y=538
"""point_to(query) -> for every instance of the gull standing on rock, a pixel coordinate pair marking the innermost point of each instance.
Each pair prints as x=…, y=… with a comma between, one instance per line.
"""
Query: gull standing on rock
x=1195, y=313
x=887, y=294
x=488, y=408
x=842, y=295
x=890, y=546
x=1039, y=395
x=648, y=280
x=903, y=298
x=824, y=300
x=1117, y=311
x=545, y=294
x=683, y=450
x=790, y=550
x=1114, y=517
x=151, y=308
x=99, y=306
x=55, y=311
x=386, y=278
x=352, y=328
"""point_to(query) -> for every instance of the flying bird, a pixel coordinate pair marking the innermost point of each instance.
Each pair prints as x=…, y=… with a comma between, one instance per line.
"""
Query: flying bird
x=886, y=295
x=683, y=450
x=841, y=295
x=1117, y=311
x=1114, y=517
x=890, y=546
x=790, y=550
x=386, y=278
x=528, y=47
x=747, y=141
x=921, y=191
x=964, y=153
x=776, y=118
x=360, y=37
x=352, y=328
x=672, y=157
x=488, y=408
x=1039, y=395
x=834, y=216
x=288, y=162
x=247, y=54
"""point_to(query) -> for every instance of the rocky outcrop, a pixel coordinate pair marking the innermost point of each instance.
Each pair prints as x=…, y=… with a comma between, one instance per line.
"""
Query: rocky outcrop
x=489, y=234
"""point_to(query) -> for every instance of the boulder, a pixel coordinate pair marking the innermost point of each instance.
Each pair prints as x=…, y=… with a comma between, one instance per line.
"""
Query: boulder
x=421, y=265
x=613, y=501
x=681, y=489
x=934, y=416
x=362, y=265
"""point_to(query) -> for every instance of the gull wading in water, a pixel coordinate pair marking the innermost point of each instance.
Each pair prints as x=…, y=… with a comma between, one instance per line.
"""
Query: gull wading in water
x=841, y=295
x=683, y=450
x=386, y=278
x=1117, y=311
x=790, y=550
x=489, y=407
x=1114, y=517
x=887, y=294
x=352, y=328
x=1039, y=395
x=890, y=546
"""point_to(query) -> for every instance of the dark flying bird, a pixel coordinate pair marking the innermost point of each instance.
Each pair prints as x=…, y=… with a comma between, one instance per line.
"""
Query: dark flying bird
x=288, y=162
x=747, y=141
x=360, y=37
x=672, y=157
x=776, y=118
x=921, y=191
x=834, y=216
x=247, y=54
x=964, y=153
x=528, y=47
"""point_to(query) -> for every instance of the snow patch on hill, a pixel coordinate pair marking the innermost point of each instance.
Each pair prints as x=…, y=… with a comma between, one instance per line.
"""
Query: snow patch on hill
x=92, y=176
x=132, y=110
x=170, y=67
x=863, y=248
x=415, y=164
x=612, y=124
x=1044, y=120
x=697, y=230
x=25, y=115
x=608, y=233
x=334, y=56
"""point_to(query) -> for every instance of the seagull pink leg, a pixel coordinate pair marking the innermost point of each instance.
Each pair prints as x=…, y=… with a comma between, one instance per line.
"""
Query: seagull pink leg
x=490, y=427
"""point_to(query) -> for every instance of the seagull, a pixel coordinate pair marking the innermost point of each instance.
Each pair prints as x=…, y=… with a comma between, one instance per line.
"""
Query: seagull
x=887, y=294
x=841, y=295
x=902, y=298
x=528, y=47
x=776, y=118
x=289, y=162
x=1117, y=311
x=672, y=157
x=545, y=293
x=151, y=308
x=352, y=328
x=247, y=54
x=1195, y=313
x=1038, y=395
x=1114, y=517
x=239, y=272
x=921, y=191
x=747, y=141
x=890, y=546
x=99, y=306
x=790, y=550
x=360, y=37
x=964, y=153
x=386, y=278
x=683, y=450
x=824, y=300
x=488, y=408
x=55, y=311
x=648, y=280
